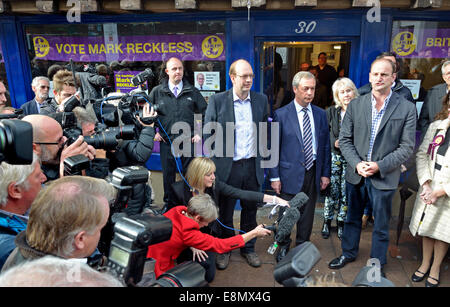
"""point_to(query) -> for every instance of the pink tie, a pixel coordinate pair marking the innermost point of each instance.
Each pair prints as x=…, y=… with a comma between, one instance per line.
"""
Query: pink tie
x=175, y=91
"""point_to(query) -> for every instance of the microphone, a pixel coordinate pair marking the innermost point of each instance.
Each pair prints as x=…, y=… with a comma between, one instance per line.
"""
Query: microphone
x=290, y=217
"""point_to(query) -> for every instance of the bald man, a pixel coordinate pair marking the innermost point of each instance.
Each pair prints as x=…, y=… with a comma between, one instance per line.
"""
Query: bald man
x=49, y=144
x=177, y=102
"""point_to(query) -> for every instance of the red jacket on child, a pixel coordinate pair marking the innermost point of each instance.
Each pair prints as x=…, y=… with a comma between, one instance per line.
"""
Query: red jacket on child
x=186, y=233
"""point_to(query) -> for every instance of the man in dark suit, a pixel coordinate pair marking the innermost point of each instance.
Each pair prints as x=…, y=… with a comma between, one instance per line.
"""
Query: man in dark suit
x=376, y=137
x=40, y=86
x=433, y=101
x=304, y=151
x=238, y=163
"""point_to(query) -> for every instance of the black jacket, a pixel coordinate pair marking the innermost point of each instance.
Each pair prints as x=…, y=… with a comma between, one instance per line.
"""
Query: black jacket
x=181, y=193
x=334, y=120
x=399, y=88
x=173, y=109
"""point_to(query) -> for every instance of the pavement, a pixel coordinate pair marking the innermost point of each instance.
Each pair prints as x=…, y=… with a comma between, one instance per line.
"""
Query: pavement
x=403, y=259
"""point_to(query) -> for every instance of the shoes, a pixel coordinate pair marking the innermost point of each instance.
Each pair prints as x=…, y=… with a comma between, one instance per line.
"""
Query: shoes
x=282, y=251
x=222, y=261
x=326, y=229
x=340, y=262
x=252, y=259
x=340, y=229
x=416, y=278
x=431, y=285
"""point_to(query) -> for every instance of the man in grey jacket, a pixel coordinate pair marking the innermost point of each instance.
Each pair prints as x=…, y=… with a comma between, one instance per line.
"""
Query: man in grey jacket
x=376, y=137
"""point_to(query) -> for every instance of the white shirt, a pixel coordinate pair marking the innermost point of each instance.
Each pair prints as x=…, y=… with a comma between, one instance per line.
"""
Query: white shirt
x=244, y=132
x=179, y=87
x=300, y=116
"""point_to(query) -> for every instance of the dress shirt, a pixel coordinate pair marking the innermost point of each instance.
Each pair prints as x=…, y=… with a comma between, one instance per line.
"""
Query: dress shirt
x=376, y=120
x=245, y=133
x=300, y=115
x=179, y=87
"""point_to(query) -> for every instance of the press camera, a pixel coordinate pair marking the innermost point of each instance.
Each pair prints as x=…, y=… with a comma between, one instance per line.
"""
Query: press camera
x=12, y=150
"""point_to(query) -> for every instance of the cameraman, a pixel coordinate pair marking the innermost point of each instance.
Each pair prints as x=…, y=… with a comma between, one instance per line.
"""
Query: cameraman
x=19, y=185
x=65, y=220
x=64, y=87
x=136, y=152
x=50, y=145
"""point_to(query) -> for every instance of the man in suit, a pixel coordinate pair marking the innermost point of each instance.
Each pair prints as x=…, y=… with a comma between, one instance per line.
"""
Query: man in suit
x=433, y=101
x=240, y=165
x=40, y=86
x=304, y=151
x=376, y=137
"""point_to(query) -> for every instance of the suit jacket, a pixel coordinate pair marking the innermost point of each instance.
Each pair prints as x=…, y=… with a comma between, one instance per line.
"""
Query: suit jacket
x=220, y=110
x=393, y=144
x=186, y=233
x=431, y=106
x=291, y=167
x=30, y=107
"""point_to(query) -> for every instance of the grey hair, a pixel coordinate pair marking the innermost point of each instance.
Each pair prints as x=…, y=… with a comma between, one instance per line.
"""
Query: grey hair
x=301, y=75
x=446, y=63
x=343, y=83
x=36, y=80
x=14, y=173
x=84, y=116
x=204, y=206
x=50, y=271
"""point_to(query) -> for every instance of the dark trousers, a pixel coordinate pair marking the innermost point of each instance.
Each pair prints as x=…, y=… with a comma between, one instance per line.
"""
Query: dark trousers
x=305, y=223
x=169, y=168
x=381, y=201
x=242, y=176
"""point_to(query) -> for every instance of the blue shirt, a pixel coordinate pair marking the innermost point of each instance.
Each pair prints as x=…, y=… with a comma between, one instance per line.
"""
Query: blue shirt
x=376, y=120
x=245, y=130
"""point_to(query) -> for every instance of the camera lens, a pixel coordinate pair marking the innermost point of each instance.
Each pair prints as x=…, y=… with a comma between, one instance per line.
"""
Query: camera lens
x=12, y=150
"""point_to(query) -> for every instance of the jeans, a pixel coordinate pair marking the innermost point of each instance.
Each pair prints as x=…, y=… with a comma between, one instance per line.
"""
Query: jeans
x=381, y=201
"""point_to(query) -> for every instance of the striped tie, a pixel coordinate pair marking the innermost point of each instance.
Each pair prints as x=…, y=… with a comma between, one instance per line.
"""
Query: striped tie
x=307, y=140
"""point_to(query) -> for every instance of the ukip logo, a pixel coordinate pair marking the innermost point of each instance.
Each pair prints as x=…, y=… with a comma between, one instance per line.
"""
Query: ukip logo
x=212, y=46
x=41, y=46
x=404, y=43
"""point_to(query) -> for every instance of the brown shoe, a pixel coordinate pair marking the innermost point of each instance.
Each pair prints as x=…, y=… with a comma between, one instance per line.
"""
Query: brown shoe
x=222, y=261
x=252, y=259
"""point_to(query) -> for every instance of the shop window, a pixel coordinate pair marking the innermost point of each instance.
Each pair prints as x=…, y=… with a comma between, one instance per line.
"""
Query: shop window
x=121, y=50
x=422, y=46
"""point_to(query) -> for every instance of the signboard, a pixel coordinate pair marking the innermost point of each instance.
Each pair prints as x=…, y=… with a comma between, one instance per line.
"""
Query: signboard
x=421, y=43
x=131, y=48
x=122, y=80
x=207, y=80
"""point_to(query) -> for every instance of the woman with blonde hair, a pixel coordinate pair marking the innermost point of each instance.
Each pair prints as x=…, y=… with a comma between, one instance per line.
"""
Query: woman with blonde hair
x=344, y=91
x=431, y=214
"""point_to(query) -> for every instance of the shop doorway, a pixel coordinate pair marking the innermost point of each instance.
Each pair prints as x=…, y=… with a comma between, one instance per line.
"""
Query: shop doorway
x=282, y=60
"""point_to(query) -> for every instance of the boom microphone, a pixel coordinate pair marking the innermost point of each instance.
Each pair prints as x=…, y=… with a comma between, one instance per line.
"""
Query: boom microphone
x=290, y=217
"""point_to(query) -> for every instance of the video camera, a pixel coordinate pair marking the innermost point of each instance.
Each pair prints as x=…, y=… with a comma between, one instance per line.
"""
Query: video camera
x=127, y=257
x=12, y=150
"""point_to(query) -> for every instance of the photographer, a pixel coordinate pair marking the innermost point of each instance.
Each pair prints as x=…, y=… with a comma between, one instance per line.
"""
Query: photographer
x=50, y=145
x=187, y=222
x=64, y=87
x=65, y=220
x=136, y=152
x=19, y=185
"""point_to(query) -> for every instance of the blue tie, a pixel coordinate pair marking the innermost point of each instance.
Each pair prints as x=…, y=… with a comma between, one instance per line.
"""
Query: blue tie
x=307, y=140
x=175, y=91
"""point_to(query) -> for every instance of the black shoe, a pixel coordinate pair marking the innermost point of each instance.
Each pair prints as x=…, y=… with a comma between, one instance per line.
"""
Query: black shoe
x=326, y=229
x=416, y=278
x=431, y=285
x=340, y=229
x=282, y=251
x=339, y=262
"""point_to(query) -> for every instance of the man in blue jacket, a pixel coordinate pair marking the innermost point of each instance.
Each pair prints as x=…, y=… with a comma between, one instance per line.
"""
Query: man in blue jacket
x=19, y=185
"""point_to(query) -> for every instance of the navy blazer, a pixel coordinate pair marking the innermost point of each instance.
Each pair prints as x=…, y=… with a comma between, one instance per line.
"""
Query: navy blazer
x=30, y=107
x=291, y=167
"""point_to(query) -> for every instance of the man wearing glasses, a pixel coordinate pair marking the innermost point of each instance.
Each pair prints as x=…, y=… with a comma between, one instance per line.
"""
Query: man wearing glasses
x=40, y=86
x=244, y=110
x=50, y=145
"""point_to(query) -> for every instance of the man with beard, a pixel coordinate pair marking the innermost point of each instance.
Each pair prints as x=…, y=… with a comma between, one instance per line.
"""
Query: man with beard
x=50, y=145
x=40, y=87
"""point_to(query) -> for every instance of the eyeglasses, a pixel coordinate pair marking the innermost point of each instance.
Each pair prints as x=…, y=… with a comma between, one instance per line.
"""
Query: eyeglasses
x=60, y=142
x=245, y=77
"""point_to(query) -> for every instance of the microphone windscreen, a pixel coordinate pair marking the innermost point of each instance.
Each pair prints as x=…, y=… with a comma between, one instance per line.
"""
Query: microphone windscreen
x=299, y=200
x=286, y=224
